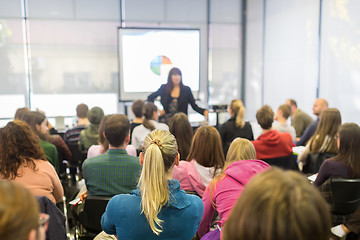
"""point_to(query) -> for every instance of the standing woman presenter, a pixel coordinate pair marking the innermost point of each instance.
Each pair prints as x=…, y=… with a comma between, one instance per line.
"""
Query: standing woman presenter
x=175, y=96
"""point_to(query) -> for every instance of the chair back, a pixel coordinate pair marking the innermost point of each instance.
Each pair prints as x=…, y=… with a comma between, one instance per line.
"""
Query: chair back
x=90, y=217
x=314, y=161
x=346, y=195
x=287, y=162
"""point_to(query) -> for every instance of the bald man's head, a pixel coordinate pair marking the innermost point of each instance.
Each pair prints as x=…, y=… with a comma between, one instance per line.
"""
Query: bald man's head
x=320, y=105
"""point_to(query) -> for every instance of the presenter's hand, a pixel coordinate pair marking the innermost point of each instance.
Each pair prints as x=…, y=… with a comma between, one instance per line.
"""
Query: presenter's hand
x=206, y=114
x=162, y=112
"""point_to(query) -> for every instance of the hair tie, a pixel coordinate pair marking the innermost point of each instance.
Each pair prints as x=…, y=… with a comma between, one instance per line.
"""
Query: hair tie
x=157, y=142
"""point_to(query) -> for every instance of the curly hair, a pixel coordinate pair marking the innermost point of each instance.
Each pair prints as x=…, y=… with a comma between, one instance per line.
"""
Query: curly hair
x=18, y=146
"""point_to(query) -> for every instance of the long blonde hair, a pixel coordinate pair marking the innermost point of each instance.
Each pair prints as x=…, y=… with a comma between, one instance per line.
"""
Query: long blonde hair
x=160, y=150
x=238, y=111
x=240, y=149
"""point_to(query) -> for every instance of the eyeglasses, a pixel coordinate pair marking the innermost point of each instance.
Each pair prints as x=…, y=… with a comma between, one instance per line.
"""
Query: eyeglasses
x=43, y=219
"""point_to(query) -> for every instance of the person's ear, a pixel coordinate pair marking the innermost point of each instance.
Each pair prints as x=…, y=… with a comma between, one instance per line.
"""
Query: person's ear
x=32, y=235
x=177, y=159
x=141, y=158
x=104, y=134
x=127, y=139
x=38, y=127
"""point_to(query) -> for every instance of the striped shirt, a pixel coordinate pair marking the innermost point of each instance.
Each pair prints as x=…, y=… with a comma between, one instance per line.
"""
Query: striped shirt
x=114, y=172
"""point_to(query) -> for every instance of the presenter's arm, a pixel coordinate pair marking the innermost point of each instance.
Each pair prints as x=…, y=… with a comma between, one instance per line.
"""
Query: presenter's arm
x=193, y=103
x=159, y=92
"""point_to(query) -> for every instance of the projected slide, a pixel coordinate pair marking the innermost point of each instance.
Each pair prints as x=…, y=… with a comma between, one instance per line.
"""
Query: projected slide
x=147, y=55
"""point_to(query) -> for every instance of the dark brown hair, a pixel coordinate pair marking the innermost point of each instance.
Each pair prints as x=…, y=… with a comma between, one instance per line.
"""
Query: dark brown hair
x=265, y=117
x=82, y=110
x=328, y=126
x=169, y=84
x=349, y=136
x=102, y=140
x=34, y=118
x=180, y=127
x=138, y=108
x=117, y=128
x=18, y=146
x=279, y=205
x=293, y=102
x=149, y=110
x=206, y=148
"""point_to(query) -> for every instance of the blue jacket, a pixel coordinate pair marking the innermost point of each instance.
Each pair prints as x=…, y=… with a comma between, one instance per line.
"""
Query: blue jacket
x=181, y=216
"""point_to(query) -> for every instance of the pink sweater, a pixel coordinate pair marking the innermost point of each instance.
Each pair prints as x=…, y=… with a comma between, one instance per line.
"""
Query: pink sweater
x=42, y=182
x=228, y=190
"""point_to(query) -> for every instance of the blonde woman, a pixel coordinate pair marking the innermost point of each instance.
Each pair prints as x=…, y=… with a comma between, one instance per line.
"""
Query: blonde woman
x=158, y=209
x=226, y=188
x=235, y=126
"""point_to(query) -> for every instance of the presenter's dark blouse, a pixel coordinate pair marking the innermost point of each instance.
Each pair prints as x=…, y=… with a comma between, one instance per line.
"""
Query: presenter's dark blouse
x=183, y=100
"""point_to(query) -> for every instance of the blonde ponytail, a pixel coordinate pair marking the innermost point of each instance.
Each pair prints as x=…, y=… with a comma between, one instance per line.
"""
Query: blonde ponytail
x=238, y=109
x=160, y=150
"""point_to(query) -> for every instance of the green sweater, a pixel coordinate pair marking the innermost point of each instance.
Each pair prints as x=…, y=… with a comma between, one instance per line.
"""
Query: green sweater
x=51, y=153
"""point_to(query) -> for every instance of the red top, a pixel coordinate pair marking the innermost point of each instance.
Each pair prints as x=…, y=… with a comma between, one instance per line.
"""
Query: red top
x=273, y=144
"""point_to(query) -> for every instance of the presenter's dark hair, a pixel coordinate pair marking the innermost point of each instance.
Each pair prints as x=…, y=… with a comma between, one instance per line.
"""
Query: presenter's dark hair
x=169, y=84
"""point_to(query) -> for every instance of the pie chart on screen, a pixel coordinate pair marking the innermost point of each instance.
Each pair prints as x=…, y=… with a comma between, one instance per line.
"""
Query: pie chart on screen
x=160, y=65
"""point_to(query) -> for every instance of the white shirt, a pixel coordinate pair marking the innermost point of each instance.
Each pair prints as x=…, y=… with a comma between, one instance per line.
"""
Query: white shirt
x=140, y=132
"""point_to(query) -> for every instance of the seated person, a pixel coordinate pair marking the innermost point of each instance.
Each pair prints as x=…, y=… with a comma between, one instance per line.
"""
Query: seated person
x=150, y=123
x=158, y=209
x=115, y=171
x=19, y=214
x=299, y=119
x=271, y=143
x=240, y=166
x=23, y=161
x=180, y=127
x=138, y=109
x=205, y=161
x=72, y=135
x=89, y=136
x=278, y=205
x=281, y=124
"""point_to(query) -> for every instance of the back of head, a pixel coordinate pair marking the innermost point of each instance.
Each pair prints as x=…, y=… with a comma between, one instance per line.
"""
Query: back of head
x=283, y=205
x=102, y=140
x=286, y=110
x=265, y=117
x=138, y=108
x=238, y=111
x=240, y=149
x=82, y=110
x=180, y=127
x=149, y=110
x=328, y=126
x=117, y=128
x=20, y=113
x=206, y=148
x=349, y=139
x=160, y=150
x=292, y=102
x=18, y=145
x=19, y=211
x=95, y=115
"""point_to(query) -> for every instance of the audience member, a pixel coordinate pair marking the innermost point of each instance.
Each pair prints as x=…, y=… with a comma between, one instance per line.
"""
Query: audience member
x=158, y=209
x=72, y=135
x=278, y=205
x=320, y=105
x=138, y=109
x=115, y=171
x=226, y=188
x=180, y=127
x=323, y=140
x=281, y=124
x=271, y=143
x=22, y=160
x=96, y=150
x=150, y=123
x=236, y=125
x=299, y=119
x=38, y=123
x=204, y=162
x=90, y=135
x=20, y=113
x=19, y=214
